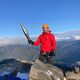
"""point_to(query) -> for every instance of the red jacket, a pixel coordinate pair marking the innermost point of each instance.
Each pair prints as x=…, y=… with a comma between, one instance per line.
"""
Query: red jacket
x=47, y=42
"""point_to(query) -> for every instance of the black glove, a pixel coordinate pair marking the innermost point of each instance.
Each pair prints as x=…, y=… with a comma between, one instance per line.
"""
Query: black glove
x=31, y=42
x=52, y=53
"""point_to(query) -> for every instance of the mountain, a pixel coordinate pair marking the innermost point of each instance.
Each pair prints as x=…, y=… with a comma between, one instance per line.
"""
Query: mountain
x=11, y=69
x=18, y=51
x=66, y=62
x=67, y=50
x=12, y=40
x=69, y=35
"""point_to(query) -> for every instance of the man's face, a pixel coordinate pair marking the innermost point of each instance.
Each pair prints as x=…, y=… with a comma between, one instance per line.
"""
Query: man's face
x=46, y=29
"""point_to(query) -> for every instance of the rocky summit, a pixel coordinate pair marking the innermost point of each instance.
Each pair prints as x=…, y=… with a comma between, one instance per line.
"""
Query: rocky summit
x=11, y=69
x=41, y=71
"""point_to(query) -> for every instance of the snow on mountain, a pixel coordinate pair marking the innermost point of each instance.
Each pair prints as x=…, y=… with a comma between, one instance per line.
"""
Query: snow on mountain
x=67, y=48
x=62, y=38
x=77, y=37
x=70, y=35
x=14, y=40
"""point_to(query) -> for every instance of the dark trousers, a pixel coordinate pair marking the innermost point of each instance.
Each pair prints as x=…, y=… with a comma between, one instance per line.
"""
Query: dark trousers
x=46, y=58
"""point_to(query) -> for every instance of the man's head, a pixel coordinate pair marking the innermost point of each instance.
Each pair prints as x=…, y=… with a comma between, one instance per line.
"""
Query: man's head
x=45, y=28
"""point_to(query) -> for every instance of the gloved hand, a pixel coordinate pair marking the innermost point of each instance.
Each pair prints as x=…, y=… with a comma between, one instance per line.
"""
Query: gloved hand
x=31, y=42
x=53, y=53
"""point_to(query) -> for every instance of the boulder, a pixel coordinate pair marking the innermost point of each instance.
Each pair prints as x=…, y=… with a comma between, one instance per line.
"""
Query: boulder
x=75, y=73
x=41, y=71
x=72, y=76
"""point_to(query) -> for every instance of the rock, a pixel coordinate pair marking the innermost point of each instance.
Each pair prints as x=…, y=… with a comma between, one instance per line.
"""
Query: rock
x=75, y=73
x=77, y=67
x=23, y=76
x=41, y=71
x=11, y=69
x=72, y=76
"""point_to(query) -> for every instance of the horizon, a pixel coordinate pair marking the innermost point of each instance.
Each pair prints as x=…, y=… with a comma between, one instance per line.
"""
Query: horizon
x=62, y=16
x=23, y=36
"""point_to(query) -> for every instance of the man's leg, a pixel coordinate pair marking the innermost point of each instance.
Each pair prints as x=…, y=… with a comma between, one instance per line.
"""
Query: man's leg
x=42, y=58
x=50, y=59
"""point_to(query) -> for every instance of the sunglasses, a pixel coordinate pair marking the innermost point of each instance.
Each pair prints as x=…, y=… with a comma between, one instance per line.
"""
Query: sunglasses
x=46, y=28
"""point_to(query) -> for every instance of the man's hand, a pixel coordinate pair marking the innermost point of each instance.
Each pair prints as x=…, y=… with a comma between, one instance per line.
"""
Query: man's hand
x=31, y=42
x=53, y=53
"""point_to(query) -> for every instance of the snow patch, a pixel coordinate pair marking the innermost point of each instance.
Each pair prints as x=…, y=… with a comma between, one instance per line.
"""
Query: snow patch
x=77, y=37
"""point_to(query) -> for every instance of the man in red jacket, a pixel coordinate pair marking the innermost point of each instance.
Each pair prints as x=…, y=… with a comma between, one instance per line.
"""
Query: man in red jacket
x=48, y=45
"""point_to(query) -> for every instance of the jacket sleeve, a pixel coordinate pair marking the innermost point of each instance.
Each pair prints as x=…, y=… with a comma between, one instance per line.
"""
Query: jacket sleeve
x=38, y=41
x=53, y=42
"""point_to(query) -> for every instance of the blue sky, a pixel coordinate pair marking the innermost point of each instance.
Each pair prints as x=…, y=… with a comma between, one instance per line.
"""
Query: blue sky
x=61, y=15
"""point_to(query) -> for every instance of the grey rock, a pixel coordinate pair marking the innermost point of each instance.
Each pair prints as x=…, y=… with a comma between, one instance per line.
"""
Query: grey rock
x=75, y=73
x=72, y=76
x=41, y=71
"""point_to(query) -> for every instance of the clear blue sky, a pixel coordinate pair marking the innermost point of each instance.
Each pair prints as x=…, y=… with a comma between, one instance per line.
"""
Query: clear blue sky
x=61, y=15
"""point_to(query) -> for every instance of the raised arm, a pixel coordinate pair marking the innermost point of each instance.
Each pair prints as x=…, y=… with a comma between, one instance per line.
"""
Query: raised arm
x=36, y=43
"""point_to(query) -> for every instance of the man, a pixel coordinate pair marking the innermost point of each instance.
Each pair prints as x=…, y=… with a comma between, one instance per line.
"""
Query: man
x=47, y=43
